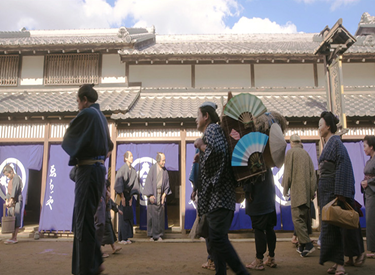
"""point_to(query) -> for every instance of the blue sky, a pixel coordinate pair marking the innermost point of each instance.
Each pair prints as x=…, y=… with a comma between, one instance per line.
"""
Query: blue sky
x=185, y=16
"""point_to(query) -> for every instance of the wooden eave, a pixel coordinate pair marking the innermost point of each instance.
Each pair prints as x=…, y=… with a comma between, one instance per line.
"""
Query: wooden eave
x=222, y=58
x=45, y=49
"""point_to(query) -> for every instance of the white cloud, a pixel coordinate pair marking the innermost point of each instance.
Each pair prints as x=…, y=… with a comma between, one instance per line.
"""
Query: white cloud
x=168, y=16
x=259, y=25
x=338, y=3
x=335, y=4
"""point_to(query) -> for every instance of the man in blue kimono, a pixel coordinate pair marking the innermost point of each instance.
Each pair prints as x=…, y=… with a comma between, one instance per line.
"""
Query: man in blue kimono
x=88, y=144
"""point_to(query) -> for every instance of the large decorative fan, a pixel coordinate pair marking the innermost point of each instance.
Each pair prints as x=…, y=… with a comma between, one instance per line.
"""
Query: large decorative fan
x=249, y=144
x=244, y=107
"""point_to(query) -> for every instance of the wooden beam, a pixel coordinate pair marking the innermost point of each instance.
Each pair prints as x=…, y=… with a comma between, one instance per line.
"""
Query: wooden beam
x=127, y=74
x=193, y=76
x=252, y=75
x=316, y=82
x=183, y=181
x=113, y=171
x=45, y=164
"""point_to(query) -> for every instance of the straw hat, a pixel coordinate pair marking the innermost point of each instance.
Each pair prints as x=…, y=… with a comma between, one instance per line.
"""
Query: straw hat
x=274, y=154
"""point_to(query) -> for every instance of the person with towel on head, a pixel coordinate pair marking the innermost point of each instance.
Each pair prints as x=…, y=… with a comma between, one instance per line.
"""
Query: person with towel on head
x=299, y=177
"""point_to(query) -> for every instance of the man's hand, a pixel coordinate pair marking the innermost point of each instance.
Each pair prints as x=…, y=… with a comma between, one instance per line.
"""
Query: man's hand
x=364, y=184
x=163, y=198
x=152, y=199
x=123, y=202
x=193, y=195
x=130, y=201
x=198, y=143
x=196, y=158
x=120, y=212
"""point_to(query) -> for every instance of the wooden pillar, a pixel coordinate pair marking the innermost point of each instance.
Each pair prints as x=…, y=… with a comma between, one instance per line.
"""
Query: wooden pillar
x=113, y=171
x=127, y=74
x=45, y=163
x=252, y=75
x=183, y=181
x=316, y=81
x=193, y=76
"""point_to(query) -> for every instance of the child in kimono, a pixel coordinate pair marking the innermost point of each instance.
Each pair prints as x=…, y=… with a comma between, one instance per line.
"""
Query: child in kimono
x=109, y=234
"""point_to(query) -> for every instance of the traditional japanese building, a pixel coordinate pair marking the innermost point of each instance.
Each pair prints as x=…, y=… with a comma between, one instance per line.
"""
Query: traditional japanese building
x=150, y=87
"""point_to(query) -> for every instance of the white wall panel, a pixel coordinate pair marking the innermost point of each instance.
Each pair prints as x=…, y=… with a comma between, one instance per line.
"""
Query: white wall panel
x=32, y=70
x=228, y=75
x=358, y=74
x=280, y=75
x=161, y=75
x=113, y=70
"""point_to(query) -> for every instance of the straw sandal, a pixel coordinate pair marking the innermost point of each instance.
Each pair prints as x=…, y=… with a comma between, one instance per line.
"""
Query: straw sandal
x=257, y=264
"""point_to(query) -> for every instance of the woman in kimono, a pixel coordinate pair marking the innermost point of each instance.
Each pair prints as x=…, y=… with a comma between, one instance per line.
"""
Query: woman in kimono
x=13, y=200
x=216, y=195
x=368, y=188
x=109, y=235
x=336, y=181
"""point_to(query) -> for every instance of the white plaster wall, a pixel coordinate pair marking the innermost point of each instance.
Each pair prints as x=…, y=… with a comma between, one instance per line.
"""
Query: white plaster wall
x=280, y=75
x=113, y=70
x=32, y=70
x=321, y=75
x=358, y=74
x=218, y=75
x=161, y=75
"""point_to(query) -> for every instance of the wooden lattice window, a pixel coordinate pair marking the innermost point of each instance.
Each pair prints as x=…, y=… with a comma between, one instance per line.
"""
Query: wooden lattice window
x=9, y=70
x=70, y=69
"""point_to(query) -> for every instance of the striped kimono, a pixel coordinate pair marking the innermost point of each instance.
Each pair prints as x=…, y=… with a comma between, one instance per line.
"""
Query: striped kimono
x=337, y=179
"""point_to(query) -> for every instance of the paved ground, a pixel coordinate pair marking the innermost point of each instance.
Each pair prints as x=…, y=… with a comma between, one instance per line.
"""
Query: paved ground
x=174, y=256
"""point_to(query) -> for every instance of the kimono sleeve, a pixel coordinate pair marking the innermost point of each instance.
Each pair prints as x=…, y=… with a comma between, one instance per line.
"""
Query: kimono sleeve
x=344, y=179
x=313, y=185
x=287, y=177
x=214, y=154
x=148, y=189
x=166, y=187
x=371, y=184
x=17, y=189
x=113, y=206
x=78, y=134
x=121, y=179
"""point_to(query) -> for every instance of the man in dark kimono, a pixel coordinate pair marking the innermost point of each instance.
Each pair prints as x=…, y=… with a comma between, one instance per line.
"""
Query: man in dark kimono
x=126, y=185
x=156, y=189
x=88, y=143
x=13, y=200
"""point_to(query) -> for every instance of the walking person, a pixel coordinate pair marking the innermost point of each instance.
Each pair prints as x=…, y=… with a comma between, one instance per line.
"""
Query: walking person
x=88, y=144
x=216, y=196
x=109, y=234
x=336, y=181
x=260, y=206
x=368, y=187
x=299, y=177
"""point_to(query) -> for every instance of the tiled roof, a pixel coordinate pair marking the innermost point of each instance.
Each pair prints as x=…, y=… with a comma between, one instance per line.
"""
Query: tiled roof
x=74, y=37
x=61, y=101
x=290, y=104
x=169, y=106
x=131, y=103
x=240, y=44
